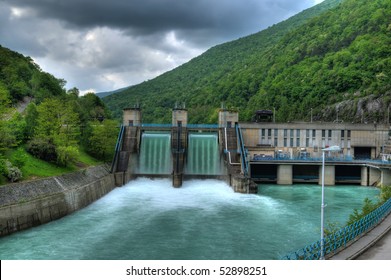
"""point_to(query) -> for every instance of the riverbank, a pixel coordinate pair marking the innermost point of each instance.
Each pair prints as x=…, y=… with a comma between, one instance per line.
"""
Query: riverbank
x=27, y=204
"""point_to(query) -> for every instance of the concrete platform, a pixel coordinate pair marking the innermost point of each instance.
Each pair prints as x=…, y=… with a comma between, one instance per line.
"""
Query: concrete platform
x=375, y=245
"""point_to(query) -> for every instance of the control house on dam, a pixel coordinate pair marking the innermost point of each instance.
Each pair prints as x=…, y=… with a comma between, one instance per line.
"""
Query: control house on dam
x=286, y=153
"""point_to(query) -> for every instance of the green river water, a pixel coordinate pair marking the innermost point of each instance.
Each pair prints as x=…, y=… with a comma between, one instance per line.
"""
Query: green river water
x=150, y=220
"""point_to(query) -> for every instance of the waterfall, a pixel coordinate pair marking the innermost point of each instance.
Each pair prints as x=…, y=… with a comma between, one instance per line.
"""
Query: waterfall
x=155, y=153
x=203, y=154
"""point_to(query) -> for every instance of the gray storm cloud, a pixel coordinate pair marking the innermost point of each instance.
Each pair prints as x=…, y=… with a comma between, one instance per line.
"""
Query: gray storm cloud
x=121, y=42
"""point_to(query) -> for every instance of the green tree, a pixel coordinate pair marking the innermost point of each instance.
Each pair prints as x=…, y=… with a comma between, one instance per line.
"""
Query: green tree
x=7, y=137
x=103, y=139
x=31, y=119
x=59, y=126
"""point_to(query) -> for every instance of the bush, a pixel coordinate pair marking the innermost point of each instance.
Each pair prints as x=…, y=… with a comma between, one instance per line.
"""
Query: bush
x=19, y=158
x=385, y=193
x=42, y=149
x=2, y=166
x=368, y=207
x=13, y=173
x=67, y=155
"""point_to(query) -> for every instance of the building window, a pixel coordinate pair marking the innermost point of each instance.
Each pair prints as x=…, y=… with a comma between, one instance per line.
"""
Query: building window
x=329, y=137
x=349, y=134
x=285, y=137
x=298, y=138
x=263, y=136
x=269, y=136
x=130, y=123
x=342, y=134
x=307, y=138
x=275, y=137
x=291, y=138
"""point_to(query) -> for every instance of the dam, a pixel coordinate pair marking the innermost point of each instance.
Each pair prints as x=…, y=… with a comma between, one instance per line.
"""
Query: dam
x=181, y=151
x=246, y=154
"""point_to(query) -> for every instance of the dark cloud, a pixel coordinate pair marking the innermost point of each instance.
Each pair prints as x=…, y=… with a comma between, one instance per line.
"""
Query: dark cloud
x=222, y=18
x=105, y=44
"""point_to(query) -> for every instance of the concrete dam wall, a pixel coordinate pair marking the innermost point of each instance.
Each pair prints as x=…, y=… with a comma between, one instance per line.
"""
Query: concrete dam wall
x=27, y=204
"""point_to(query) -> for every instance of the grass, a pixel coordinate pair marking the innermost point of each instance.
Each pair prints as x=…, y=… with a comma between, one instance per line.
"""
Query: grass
x=34, y=168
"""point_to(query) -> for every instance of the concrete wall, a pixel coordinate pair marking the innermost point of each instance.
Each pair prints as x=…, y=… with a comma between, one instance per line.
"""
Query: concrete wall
x=226, y=116
x=27, y=204
x=132, y=116
x=329, y=175
x=284, y=174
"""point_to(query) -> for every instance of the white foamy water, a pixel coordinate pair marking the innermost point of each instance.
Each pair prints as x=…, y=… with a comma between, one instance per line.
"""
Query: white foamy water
x=205, y=219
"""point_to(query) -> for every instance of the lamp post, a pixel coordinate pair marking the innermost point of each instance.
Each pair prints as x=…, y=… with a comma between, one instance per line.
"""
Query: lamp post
x=330, y=149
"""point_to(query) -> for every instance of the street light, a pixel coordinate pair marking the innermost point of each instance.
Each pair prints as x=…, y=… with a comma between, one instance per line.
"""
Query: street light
x=329, y=149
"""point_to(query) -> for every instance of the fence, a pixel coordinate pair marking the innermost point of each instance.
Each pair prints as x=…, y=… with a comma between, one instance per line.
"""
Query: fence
x=339, y=240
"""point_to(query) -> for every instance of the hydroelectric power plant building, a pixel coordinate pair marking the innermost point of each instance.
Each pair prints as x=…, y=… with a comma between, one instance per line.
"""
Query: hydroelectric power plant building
x=244, y=153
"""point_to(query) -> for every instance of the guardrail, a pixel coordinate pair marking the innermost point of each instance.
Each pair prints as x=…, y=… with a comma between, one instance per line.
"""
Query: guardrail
x=327, y=159
x=165, y=125
x=243, y=151
x=203, y=126
x=342, y=238
x=118, y=146
x=191, y=126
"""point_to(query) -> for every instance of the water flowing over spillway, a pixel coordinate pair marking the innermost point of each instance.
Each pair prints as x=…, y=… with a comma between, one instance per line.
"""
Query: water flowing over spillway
x=155, y=153
x=203, y=154
x=205, y=219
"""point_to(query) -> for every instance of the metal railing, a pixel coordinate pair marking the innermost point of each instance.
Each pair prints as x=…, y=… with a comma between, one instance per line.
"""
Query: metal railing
x=243, y=151
x=203, y=126
x=191, y=126
x=334, y=243
x=164, y=125
x=118, y=147
x=319, y=159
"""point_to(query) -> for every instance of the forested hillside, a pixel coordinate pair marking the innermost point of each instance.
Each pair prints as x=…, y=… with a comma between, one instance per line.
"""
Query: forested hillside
x=333, y=53
x=44, y=129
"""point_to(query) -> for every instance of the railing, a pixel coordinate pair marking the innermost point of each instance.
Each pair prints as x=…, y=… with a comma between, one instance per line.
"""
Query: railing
x=165, y=125
x=191, y=126
x=316, y=159
x=243, y=151
x=339, y=240
x=117, y=147
x=203, y=126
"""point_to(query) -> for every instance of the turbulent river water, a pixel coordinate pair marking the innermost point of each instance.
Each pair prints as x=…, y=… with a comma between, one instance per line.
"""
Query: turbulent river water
x=150, y=220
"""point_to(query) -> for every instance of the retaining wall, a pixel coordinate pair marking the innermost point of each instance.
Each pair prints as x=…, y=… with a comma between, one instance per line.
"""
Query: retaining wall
x=27, y=204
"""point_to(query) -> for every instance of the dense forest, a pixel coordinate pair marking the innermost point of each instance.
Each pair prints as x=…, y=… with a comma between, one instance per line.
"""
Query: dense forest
x=45, y=129
x=333, y=57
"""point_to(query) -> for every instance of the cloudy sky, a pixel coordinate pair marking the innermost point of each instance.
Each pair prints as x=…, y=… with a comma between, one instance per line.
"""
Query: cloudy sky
x=103, y=45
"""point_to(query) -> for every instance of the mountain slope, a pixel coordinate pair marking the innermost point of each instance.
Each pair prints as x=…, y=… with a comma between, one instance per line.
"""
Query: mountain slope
x=21, y=77
x=324, y=55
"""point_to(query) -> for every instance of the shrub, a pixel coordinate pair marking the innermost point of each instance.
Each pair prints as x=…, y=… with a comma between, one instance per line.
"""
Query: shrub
x=19, y=158
x=67, y=155
x=13, y=173
x=42, y=149
x=385, y=193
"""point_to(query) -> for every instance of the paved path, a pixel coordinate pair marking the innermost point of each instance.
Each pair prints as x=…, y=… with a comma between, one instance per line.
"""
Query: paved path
x=375, y=245
x=380, y=251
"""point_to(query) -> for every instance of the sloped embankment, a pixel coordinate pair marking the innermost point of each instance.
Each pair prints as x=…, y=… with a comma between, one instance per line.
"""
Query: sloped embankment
x=27, y=204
